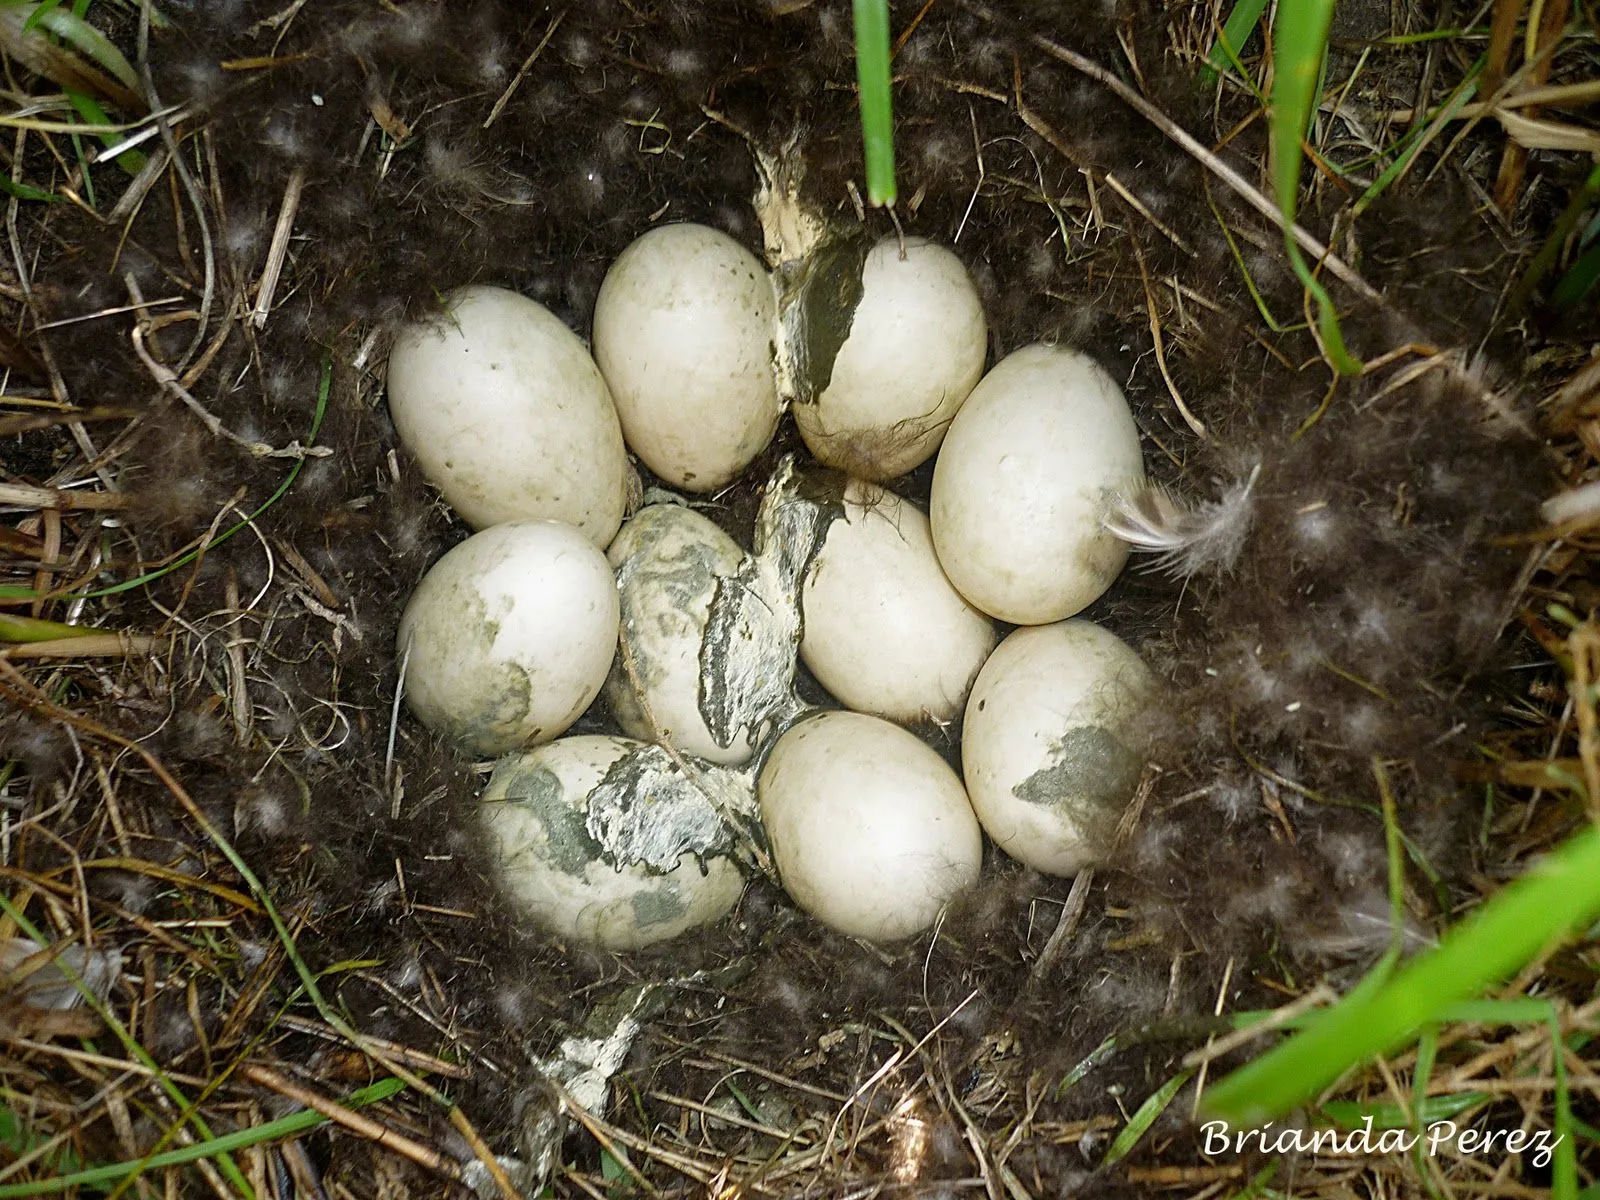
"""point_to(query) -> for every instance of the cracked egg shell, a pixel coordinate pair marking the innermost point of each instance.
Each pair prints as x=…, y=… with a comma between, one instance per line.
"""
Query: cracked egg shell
x=870, y=829
x=1044, y=747
x=670, y=563
x=885, y=632
x=508, y=416
x=683, y=332
x=1030, y=468
x=886, y=350
x=600, y=840
x=509, y=636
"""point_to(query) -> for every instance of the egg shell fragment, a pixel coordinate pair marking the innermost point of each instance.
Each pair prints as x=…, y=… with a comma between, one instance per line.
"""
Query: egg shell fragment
x=913, y=346
x=870, y=829
x=670, y=563
x=508, y=416
x=570, y=869
x=885, y=632
x=1032, y=464
x=1045, y=745
x=683, y=332
x=509, y=636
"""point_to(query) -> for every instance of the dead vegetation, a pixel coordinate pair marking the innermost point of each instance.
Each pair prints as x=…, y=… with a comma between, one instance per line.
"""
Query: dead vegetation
x=296, y=979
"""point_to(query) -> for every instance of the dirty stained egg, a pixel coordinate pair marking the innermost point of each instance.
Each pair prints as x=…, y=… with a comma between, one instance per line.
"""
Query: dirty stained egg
x=508, y=638
x=1047, y=746
x=607, y=841
x=672, y=565
x=879, y=347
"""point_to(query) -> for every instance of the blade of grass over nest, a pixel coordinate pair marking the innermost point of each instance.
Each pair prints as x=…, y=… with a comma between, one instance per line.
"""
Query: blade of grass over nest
x=33, y=629
x=71, y=28
x=1258, y=1184
x=288, y=1126
x=1350, y=1114
x=131, y=161
x=877, y=111
x=1558, y=895
x=187, y=1111
x=1421, y=1076
x=1144, y=1117
x=1300, y=36
x=1272, y=322
x=1579, y=280
x=1564, y=1163
x=1101, y=1053
x=23, y=191
x=1236, y=30
x=97, y=66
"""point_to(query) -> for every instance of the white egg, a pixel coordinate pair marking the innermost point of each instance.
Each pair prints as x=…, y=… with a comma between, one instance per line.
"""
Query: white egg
x=1032, y=464
x=885, y=632
x=508, y=416
x=509, y=636
x=683, y=332
x=870, y=829
x=1045, y=747
x=605, y=840
x=671, y=563
x=881, y=353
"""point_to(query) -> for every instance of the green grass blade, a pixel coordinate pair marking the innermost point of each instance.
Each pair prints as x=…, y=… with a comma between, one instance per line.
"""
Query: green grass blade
x=88, y=41
x=877, y=112
x=1300, y=36
x=1098, y=1055
x=1145, y=1117
x=1558, y=894
x=1236, y=30
x=131, y=161
x=38, y=14
x=1348, y=1114
x=1564, y=1161
x=32, y=629
x=24, y=192
x=1579, y=280
x=1258, y=1183
x=284, y=1127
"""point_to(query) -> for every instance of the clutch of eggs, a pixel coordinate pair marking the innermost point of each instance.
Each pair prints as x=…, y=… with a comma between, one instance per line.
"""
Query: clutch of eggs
x=696, y=350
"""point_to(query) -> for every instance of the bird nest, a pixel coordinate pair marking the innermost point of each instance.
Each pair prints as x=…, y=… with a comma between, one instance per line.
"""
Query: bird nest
x=301, y=979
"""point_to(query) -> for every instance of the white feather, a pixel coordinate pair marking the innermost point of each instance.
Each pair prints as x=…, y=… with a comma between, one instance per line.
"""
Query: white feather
x=1187, y=539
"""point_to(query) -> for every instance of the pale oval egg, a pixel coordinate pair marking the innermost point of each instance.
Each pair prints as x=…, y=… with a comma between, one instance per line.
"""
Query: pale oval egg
x=885, y=632
x=683, y=332
x=1045, y=748
x=507, y=414
x=509, y=636
x=870, y=830
x=1034, y=461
